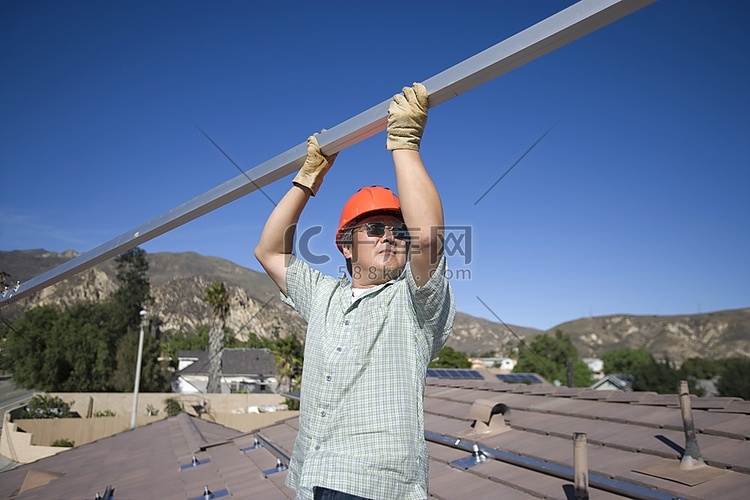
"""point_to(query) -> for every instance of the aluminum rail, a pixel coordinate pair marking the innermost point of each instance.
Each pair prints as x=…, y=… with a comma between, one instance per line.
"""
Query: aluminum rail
x=597, y=481
x=265, y=443
x=554, y=32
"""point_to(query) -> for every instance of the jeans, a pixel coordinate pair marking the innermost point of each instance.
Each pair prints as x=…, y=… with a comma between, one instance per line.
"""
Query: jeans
x=326, y=494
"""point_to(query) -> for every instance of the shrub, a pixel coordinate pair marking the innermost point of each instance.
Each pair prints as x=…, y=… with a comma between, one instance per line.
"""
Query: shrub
x=173, y=406
x=735, y=382
x=105, y=413
x=44, y=406
x=291, y=403
x=64, y=443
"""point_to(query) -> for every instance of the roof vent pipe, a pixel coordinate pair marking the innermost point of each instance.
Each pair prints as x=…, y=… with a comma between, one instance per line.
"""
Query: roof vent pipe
x=692, y=458
x=489, y=417
x=580, y=466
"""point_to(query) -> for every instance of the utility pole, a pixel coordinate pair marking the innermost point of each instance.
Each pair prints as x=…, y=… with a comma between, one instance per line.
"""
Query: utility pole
x=137, y=372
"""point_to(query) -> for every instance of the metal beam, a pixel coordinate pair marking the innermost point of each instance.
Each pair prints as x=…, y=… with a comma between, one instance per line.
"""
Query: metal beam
x=624, y=488
x=554, y=32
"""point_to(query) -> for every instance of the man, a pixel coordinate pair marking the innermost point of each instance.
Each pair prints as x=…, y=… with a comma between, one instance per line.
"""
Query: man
x=369, y=340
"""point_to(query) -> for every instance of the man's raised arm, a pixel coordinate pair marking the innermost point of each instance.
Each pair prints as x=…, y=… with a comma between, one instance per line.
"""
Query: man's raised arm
x=420, y=202
x=274, y=250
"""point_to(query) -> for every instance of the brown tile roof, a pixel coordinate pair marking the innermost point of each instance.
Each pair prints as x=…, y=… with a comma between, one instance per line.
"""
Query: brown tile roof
x=635, y=441
x=149, y=462
x=625, y=432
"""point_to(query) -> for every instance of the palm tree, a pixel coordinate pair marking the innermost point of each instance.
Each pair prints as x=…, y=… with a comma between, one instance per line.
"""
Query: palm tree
x=216, y=296
x=289, y=354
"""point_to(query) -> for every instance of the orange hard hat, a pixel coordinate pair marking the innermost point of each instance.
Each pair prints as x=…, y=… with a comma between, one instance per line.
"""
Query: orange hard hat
x=365, y=202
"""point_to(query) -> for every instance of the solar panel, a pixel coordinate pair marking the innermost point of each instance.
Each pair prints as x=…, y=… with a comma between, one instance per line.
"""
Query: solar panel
x=519, y=378
x=454, y=373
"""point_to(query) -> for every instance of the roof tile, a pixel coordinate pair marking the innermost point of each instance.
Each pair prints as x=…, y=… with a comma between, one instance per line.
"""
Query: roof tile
x=626, y=432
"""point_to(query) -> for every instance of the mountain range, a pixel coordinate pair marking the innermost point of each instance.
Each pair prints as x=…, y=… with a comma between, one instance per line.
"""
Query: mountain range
x=179, y=279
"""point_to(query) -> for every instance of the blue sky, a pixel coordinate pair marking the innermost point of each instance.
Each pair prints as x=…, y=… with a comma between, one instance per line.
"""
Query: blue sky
x=635, y=202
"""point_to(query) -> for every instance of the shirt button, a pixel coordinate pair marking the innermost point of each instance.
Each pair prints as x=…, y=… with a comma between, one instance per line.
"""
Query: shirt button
x=338, y=349
x=328, y=378
x=322, y=414
x=317, y=446
x=346, y=322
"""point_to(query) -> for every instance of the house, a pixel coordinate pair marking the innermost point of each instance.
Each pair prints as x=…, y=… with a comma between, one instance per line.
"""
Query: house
x=617, y=382
x=596, y=366
x=243, y=370
x=502, y=364
x=485, y=438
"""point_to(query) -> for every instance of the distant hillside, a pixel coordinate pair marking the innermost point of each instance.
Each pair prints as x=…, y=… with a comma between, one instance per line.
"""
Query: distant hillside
x=22, y=265
x=714, y=335
x=179, y=279
x=477, y=336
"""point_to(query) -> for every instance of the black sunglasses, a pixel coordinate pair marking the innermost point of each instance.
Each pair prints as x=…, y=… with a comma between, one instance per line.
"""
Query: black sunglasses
x=377, y=229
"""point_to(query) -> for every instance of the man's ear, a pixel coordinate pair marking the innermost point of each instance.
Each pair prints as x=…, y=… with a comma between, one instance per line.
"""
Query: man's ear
x=347, y=251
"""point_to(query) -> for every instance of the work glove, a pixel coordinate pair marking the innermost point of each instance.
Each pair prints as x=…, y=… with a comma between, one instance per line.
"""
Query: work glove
x=315, y=167
x=407, y=116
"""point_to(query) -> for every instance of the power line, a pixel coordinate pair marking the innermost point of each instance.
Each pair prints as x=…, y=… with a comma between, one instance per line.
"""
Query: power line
x=543, y=361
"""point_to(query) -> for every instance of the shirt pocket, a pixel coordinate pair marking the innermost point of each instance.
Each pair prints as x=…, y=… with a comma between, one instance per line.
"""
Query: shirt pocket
x=367, y=330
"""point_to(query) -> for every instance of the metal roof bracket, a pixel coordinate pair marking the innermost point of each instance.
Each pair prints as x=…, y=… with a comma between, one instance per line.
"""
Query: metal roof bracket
x=280, y=467
x=476, y=458
x=257, y=444
x=210, y=495
x=282, y=460
x=194, y=462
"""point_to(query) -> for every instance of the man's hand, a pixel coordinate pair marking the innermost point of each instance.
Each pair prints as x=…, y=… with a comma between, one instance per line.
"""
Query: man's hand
x=315, y=167
x=407, y=116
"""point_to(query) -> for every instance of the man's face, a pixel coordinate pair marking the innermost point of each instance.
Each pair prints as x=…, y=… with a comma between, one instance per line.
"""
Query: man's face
x=379, y=256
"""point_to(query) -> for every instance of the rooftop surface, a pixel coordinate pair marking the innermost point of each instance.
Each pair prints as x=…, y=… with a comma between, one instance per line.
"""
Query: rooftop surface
x=234, y=361
x=634, y=445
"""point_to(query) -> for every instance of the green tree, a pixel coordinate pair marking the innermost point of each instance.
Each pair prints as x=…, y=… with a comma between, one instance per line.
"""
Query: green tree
x=87, y=354
x=657, y=376
x=53, y=350
x=216, y=297
x=134, y=292
x=625, y=360
x=289, y=354
x=32, y=350
x=196, y=340
x=700, y=368
x=255, y=342
x=735, y=381
x=646, y=372
x=582, y=374
x=549, y=356
x=450, y=358
x=155, y=374
x=76, y=349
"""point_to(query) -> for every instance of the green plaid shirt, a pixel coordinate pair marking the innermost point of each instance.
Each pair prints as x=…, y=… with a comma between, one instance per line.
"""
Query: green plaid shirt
x=361, y=422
